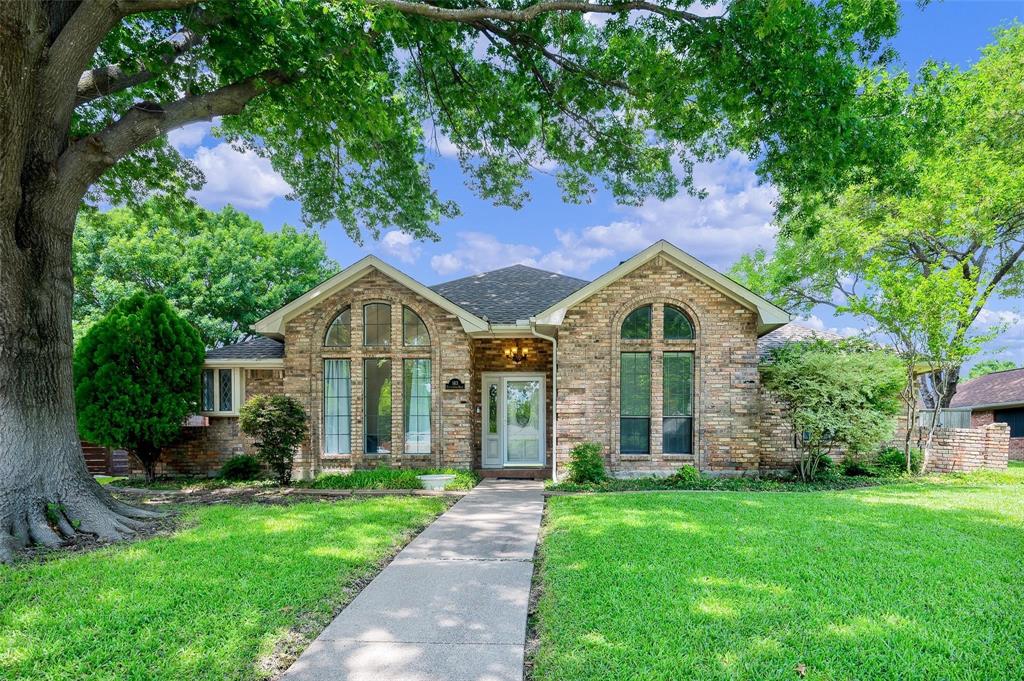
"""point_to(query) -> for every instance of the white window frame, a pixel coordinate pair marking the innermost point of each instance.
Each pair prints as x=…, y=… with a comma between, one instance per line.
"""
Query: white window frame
x=236, y=391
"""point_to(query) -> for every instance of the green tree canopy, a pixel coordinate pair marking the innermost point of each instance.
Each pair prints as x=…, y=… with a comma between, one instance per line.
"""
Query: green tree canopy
x=842, y=394
x=221, y=270
x=990, y=366
x=920, y=251
x=137, y=377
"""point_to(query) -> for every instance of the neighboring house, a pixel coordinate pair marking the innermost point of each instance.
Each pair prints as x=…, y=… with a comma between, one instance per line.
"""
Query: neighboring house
x=996, y=398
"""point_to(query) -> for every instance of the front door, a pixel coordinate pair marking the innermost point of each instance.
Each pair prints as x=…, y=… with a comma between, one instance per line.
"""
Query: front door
x=513, y=420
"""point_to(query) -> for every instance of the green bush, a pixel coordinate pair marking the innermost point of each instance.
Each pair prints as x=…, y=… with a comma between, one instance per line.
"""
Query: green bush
x=826, y=469
x=891, y=461
x=854, y=468
x=393, y=478
x=241, y=467
x=278, y=423
x=136, y=375
x=586, y=463
x=686, y=474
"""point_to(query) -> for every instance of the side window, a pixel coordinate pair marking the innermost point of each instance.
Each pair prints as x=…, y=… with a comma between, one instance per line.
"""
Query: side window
x=637, y=324
x=337, y=406
x=635, y=402
x=414, y=331
x=677, y=324
x=339, y=333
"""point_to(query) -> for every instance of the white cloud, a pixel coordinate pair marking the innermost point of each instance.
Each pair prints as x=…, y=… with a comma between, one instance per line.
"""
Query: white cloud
x=401, y=245
x=189, y=136
x=1008, y=320
x=241, y=178
x=818, y=324
x=480, y=252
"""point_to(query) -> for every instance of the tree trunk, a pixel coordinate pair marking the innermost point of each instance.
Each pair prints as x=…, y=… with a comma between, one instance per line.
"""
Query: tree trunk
x=939, y=387
x=41, y=460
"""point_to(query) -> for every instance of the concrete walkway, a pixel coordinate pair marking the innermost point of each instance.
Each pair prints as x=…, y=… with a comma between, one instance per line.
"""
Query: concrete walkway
x=450, y=607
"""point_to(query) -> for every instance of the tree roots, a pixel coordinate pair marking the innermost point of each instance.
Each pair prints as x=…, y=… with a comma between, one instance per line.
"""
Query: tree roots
x=50, y=520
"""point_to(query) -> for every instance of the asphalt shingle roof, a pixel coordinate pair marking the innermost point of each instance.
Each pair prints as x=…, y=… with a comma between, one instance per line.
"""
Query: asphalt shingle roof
x=512, y=293
x=254, y=348
x=1002, y=387
x=791, y=333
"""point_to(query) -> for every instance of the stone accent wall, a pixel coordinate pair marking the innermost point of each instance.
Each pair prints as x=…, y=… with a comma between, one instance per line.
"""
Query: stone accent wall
x=450, y=355
x=202, y=450
x=489, y=355
x=726, y=432
x=983, y=418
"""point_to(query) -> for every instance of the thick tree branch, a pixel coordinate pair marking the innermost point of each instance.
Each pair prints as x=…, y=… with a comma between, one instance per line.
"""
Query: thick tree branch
x=88, y=158
x=111, y=78
x=471, y=14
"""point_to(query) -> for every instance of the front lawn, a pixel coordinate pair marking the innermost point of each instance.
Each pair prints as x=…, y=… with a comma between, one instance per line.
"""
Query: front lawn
x=911, y=580
x=208, y=602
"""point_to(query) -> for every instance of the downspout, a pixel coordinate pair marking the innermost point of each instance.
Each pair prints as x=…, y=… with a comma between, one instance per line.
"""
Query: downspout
x=554, y=397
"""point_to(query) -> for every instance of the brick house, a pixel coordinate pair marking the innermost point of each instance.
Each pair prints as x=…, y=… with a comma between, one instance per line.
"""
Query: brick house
x=996, y=398
x=656, y=360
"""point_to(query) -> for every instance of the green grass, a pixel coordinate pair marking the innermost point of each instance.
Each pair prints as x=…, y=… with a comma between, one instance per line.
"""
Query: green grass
x=205, y=603
x=912, y=580
x=393, y=478
x=188, y=484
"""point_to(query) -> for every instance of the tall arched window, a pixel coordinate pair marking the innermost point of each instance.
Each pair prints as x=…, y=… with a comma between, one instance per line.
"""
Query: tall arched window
x=677, y=325
x=414, y=331
x=339, y=333
x=637, y=324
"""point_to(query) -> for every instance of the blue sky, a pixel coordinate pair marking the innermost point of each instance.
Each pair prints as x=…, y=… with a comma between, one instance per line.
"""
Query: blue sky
x=586, y=240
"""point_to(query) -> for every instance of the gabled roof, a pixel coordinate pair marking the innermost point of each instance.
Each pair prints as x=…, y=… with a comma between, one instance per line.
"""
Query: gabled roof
x=510, y=294
x=1002, y=388
x=791, y=333
x=273, y=324
x=769, y=315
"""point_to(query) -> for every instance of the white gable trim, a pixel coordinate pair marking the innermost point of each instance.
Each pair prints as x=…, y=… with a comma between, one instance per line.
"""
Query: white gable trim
x=273, y=325
x=769, y=315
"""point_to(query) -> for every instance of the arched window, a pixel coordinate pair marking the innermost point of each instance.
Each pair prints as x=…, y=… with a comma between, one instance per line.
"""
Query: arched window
x=414, y=331
x=637, y=324
x=677, y=325
x=339, y=333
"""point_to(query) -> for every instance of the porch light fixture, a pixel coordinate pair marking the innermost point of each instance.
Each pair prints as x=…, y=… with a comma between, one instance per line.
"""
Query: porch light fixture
x=516, y=354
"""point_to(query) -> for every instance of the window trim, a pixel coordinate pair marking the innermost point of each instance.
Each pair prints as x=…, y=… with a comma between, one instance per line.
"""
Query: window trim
x=236, y=391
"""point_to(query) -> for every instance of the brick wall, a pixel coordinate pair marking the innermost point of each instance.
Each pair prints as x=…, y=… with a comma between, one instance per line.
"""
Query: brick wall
x=982, y=418
x=202, y=450
x=984, y=445
x=726, y=433
x=450, y=355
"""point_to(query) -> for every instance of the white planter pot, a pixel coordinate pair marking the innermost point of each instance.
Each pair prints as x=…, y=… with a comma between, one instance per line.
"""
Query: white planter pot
x=435, y=481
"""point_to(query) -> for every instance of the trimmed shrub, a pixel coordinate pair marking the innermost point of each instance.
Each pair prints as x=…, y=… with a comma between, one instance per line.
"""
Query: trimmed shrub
x=393, y=478
x=241, y=467
x=687, y=474
x=586, y=464
x=278, y=423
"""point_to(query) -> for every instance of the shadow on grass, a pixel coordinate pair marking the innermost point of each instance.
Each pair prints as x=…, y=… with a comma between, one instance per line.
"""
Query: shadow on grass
x=897, y=582
x=205, y=603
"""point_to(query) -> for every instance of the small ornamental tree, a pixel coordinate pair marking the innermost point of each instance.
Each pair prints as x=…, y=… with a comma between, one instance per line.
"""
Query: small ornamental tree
x=836, y=394
x=137, y=376
x=278, y=423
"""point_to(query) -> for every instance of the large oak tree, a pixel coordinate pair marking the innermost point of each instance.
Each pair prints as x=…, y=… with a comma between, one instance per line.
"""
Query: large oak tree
x=338, y=94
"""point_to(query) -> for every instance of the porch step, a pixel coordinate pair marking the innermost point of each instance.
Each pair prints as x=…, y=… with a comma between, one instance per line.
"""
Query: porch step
x=517, y=473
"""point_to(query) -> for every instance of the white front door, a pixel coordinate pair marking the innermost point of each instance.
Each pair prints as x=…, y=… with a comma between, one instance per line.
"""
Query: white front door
x=513, y=420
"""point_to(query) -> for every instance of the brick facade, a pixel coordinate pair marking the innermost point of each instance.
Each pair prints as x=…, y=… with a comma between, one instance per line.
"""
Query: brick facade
x=983, y=418
x=737, y=429
x=725, y=401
